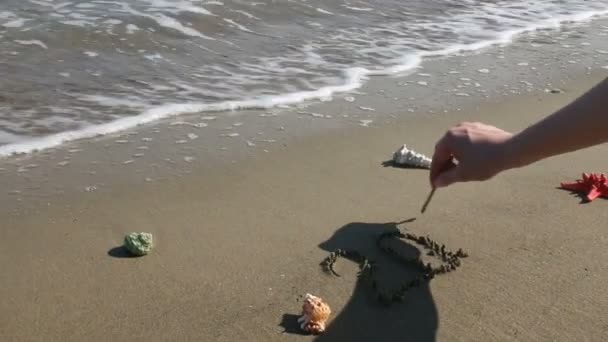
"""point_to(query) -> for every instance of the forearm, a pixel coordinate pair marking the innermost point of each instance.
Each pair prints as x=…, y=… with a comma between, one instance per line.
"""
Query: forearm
x=582, y=123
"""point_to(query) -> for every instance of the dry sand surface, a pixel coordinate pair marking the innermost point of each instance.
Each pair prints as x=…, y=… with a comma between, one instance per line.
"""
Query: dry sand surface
x=238, y=246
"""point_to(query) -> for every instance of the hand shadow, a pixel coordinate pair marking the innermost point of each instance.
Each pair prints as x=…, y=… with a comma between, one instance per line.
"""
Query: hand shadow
x=364, y=318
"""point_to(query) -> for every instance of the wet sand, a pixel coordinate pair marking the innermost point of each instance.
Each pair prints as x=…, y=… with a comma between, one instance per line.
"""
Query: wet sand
x=238, y=244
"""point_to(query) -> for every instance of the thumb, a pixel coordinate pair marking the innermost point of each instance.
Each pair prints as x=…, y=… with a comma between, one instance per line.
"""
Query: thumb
x=449, y=177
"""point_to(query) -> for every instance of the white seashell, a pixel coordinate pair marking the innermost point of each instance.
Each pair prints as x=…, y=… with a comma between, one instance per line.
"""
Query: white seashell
x=406, y=157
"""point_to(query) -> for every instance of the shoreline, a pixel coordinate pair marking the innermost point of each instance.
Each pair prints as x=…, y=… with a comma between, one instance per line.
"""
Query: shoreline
x=173, y=148
x=353, y=79
x=155, y=116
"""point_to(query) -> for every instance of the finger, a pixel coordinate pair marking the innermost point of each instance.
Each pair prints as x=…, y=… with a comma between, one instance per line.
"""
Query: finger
x=449, y=177
x=440, y=159
x=442, y=155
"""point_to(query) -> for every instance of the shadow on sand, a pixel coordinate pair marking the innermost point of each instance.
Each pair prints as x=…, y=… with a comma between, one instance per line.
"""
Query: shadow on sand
x=364, y=318
x=290, y=325
x=391, y=163
x=121, y=252
x=580, y=195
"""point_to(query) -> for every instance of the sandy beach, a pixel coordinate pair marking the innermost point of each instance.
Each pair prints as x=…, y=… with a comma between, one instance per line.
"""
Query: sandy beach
x=239, y=244
x=245, y=205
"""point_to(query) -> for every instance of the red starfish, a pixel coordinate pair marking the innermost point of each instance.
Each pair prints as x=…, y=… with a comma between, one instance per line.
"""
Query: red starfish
x=594, y=185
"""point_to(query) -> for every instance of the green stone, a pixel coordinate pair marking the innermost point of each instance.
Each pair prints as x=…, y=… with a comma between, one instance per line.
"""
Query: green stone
x=139, y=243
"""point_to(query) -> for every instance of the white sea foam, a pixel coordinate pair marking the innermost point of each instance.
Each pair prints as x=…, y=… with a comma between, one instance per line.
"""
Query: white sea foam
x=7, y=15
x=113, y=22
x=169, y=22
x=177, y=6
x=320, y=10
x=237, y=25
x=15, y=23
x=354, y=80
x=247, y=14
x=131, y=28
x=81, y=23
x=363, y=9
x=32, y=42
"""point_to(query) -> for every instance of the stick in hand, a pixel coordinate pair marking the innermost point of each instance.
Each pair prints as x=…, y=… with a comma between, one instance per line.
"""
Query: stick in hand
x=448, y=165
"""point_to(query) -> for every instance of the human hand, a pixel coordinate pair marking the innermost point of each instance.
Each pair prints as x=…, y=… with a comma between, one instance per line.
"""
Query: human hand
x=479, y=150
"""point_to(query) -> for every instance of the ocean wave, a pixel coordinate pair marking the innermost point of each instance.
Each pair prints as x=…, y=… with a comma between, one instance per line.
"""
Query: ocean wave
x=211, y=72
